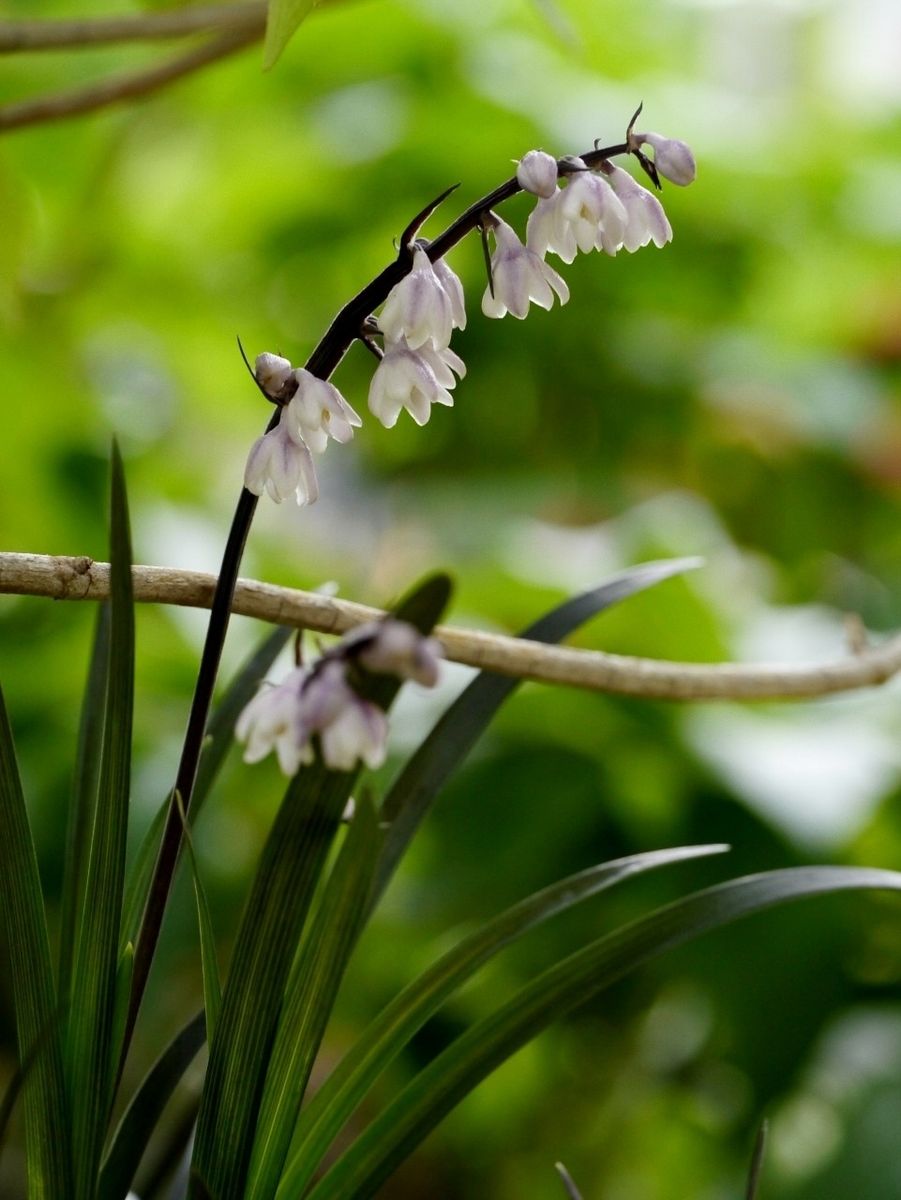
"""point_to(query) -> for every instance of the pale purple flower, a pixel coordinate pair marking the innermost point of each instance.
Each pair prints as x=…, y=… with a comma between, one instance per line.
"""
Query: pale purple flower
x=537, y=173
x=280, y=463
x=413, y=379
x=420, y=308
x=585, y=215
x=672, y=158
x=520, y=277
x=450, y=281
x=317, y=411
x=647, y=221
x=359, y=731
x=271, y=721
x=318, y=700
x=397, y=648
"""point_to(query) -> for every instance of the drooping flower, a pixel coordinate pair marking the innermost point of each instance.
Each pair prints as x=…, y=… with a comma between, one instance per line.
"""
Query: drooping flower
x=537, y=173
x=647, y=222
x=280, y=463
x=413, y=379
x=271, y=721
x=672, y=158
x=520, y=277
x=317, y=411
x=420, y=307
x=585, y=215
x=450, y=281
x=320, y=701
x=391, y=647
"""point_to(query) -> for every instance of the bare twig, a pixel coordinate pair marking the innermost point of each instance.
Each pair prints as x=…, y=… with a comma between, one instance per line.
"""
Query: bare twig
x=133, y=27
x=60, y=105
x=65, y=578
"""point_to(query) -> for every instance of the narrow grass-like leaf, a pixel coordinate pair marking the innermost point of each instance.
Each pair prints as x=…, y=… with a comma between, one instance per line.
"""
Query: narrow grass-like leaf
x=37, y=1020
x=283, y=887
x=475, y=1054
x=283, y=20
x=386, y=1036
x=457, y=731
x=219, y=739
x=310, y=995
x=267, y=942
x=90, y=1050
x=209, y=965
x=140, y=1119
x=84, y=795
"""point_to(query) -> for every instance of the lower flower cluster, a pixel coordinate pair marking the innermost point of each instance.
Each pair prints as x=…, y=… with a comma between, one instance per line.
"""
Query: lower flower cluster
x=321, y=702
x=599, y=207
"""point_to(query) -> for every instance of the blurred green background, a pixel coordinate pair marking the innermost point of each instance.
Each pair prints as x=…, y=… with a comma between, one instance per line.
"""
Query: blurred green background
x=735, y=395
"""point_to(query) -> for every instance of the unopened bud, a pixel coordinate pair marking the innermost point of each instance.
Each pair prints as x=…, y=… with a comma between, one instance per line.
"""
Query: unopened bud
x=272, y=373
x=537, y=173
x=672, y=158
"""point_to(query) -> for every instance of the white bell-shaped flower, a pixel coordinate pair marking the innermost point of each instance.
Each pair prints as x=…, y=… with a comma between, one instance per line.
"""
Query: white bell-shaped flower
x=413, y=379
x=317, y=411
x=647, y=222
x=272, y=721
x=537, y=173
x=585, y=215
x=280, y=463
x=520, y=277
x=419, y=308
x=450, y=281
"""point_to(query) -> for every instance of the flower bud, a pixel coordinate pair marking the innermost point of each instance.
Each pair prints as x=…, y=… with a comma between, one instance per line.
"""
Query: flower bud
x=272, y=373
x=537, y=173
x=672, y=158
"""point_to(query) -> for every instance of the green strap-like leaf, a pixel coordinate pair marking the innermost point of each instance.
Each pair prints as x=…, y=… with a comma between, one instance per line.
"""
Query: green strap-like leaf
x=47, y=1129
x=91, y=1052
x=84, y=795
x=273, y=920
x=283, y=20
x=267, y=942
x=310, y=995
x=140, y=1119
x=457, y=731
x=385, y=1037
x=209, y=965
x=475, y=1054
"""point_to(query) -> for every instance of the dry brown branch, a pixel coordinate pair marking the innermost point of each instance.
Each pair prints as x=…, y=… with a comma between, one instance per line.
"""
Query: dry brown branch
x=65, y=578
x=58, y=106
x=133, y=27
